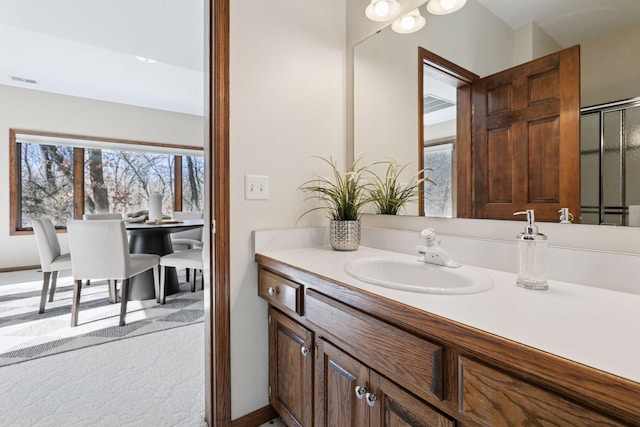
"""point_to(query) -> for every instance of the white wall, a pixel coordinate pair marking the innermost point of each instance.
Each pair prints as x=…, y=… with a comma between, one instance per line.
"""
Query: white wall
x=287, y=104
x=610, y=67
x=35, y=110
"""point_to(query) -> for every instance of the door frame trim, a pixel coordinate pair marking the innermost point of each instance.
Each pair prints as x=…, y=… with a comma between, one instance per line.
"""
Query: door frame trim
x=217, y=294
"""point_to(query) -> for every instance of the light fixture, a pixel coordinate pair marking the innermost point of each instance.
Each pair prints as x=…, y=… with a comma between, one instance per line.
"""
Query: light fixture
x=409, y=23
x=147, y=60
x=443, y=7
x=382, y=10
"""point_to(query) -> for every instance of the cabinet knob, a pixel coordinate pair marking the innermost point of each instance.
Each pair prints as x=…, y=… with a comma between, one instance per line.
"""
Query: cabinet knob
x=304, y=350
x=360, y=392
x=371, y=399
x=272, y=291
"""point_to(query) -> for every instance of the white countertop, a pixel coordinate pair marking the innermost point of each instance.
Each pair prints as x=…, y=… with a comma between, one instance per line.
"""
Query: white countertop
x=595, y=327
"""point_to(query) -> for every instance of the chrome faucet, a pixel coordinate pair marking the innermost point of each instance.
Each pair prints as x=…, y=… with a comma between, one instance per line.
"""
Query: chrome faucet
x=429, y=250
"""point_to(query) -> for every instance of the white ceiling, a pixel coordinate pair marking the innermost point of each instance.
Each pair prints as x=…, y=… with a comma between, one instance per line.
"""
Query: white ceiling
x=568, y=22
x=87, y=48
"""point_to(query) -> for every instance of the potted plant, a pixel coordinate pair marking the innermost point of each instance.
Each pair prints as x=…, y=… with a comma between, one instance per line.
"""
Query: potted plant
x=343, y=197
x=389, y=194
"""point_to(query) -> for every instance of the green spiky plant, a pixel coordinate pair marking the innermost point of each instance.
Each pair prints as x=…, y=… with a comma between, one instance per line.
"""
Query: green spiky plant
x=388, y=194
x=343, y=195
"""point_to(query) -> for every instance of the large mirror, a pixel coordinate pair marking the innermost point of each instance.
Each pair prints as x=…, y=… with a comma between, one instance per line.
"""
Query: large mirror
x=485, y=37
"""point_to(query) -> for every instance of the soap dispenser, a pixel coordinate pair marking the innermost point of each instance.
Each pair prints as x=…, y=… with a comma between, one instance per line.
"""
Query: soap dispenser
x=566, y=217
x=532, y=272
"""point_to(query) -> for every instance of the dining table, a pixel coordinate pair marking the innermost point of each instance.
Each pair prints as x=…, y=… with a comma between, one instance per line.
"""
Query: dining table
x=155, y=238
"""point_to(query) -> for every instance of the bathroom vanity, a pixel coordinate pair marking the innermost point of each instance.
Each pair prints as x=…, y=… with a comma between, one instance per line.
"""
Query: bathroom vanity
x=343, y=352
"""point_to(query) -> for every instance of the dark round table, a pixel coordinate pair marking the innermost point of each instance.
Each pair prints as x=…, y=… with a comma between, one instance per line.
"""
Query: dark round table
x=155, y=239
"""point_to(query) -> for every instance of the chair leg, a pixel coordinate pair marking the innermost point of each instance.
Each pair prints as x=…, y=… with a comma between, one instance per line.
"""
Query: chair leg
x=123, y=303
x=75, y=302
x=113, y=291
x=163, y=277
x=193, y=282
x=45, y=287
x=88, y=282
x=156, y=282
x=54, y=282
x=202, y=279
x=187, y=273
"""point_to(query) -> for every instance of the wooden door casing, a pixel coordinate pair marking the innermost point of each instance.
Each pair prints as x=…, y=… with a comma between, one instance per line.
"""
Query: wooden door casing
x=526, y=138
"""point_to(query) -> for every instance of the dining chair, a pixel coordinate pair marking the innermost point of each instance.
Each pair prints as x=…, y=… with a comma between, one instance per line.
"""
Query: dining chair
x=101, y=216
x=189, y=259
x=113, y=292
x=51, y=259
x=100, y=250
x=189, y=239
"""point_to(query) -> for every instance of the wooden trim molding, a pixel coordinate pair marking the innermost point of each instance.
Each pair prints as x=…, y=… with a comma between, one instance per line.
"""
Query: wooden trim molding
x=256, y=418
x=177, y=173
x=103, y=139
x=217, y=307
x=20, y=268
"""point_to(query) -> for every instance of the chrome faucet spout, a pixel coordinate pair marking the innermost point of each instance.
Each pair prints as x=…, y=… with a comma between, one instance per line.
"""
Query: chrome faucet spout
x=430, y=252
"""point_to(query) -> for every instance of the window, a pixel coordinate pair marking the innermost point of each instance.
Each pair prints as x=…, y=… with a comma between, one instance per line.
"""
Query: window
x=63, y=177
x=47, y=183
x=438, y=198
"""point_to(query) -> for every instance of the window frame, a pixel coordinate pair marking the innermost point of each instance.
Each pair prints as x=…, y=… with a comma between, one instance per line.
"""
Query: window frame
x=15, y=173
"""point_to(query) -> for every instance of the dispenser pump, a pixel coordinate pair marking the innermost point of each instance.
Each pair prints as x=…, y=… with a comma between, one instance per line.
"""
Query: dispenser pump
x=531, y=230
x=531, y=255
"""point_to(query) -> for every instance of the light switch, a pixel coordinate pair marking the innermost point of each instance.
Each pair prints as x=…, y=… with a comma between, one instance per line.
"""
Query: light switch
x=256, y=187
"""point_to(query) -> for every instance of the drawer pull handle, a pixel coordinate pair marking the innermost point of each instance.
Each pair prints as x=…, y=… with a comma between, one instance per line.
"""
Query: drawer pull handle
x=304, y=350
x=272, y=291
x=371, y=399
x=360, y=392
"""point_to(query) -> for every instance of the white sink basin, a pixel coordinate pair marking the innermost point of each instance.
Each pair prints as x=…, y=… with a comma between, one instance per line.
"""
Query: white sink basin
x=417, y=276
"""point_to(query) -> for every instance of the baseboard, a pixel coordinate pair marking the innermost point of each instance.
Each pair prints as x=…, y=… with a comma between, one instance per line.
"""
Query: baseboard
x=24, y=267
x=255, y=418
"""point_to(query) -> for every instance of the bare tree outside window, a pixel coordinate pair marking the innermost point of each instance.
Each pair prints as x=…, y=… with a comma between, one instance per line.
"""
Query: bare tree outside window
x=47, y=183
x=113, y=179
x=121, y=181
x=192, y=183
x=438, y=200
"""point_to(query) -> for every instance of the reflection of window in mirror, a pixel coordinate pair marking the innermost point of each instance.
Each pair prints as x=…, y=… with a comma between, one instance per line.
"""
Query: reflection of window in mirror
x=438, y=198
x=444, y=117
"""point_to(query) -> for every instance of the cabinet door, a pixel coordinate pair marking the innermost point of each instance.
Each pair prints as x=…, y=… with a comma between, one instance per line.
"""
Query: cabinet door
x=392, y=406
x=337, y=376
x=290, y=369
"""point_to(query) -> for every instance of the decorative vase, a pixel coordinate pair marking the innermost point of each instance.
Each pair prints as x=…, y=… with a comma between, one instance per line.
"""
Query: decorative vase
x=155, y=206
x=344, y=235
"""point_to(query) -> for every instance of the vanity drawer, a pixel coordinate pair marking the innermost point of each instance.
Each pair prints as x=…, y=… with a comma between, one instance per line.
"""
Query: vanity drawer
x=492, y=397
x=280, y=292
x=399, y=355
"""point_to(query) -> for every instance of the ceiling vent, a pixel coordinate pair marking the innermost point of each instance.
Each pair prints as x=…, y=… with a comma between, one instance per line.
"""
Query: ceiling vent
x=23, y=80
x=434, y=103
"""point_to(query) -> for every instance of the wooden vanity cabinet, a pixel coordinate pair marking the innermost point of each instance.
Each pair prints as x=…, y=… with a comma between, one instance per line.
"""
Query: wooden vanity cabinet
x=290, y=369
x=330, y=345
x=348, y=393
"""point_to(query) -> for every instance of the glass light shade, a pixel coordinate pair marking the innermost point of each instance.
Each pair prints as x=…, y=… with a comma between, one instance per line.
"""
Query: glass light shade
x=443, y=7
x=382, y=10
x=409, y=23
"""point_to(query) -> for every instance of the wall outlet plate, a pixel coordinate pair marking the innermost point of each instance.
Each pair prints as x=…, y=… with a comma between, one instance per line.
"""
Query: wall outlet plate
x=256, y=187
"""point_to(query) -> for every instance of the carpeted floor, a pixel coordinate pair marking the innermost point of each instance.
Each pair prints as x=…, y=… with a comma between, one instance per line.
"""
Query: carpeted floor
x=25, y=334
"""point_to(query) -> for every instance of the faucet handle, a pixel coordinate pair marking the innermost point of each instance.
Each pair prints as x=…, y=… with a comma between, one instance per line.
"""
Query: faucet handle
x=428, y=236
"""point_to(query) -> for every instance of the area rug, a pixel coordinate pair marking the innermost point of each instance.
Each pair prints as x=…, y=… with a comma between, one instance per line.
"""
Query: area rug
x=25, y=334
